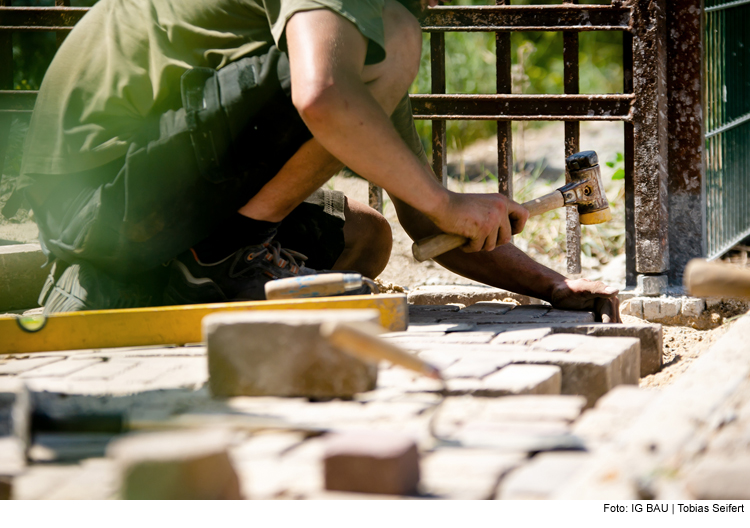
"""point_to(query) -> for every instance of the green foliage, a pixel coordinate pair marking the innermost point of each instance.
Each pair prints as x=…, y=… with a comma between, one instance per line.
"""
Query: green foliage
x=619, y=165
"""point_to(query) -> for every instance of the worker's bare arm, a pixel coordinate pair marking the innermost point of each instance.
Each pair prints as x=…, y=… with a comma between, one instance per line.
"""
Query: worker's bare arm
x=333, y=93
x=509, y=268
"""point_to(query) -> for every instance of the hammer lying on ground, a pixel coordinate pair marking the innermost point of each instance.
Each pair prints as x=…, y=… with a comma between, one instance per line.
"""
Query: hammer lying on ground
x=585, y=191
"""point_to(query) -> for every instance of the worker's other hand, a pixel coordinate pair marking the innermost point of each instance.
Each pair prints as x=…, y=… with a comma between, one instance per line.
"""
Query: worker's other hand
x=583, y=294
x=487, y=220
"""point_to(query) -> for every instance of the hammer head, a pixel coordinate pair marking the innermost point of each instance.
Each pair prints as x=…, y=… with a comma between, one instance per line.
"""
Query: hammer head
x=592, y=203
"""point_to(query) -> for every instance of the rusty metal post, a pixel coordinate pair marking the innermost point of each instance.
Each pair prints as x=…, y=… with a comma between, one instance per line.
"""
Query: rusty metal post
x=504, y=133
x=439, y=147
x=686, y=129
x=650, y=139
x=627, y=82
x=572, y=145
x=6, y=83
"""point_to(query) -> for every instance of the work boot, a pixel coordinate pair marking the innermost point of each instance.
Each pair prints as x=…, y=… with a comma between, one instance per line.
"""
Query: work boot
x=82, y=286
x=239, y=277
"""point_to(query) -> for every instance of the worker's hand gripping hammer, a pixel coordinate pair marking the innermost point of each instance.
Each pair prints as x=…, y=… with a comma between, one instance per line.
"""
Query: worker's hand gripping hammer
x=585, y=191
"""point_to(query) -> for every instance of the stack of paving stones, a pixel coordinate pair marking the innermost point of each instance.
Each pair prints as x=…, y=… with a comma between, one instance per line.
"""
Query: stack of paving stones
x=518, y=378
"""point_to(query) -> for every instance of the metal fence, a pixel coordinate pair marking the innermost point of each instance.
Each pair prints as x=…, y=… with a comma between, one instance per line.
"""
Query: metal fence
x=727, y=124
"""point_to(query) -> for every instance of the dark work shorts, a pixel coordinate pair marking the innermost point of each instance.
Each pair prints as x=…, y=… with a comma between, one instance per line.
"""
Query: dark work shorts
x=188, y=172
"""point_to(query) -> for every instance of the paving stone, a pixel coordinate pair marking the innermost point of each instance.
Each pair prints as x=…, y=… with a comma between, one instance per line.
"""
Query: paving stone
x=18, y=365
x=442, y=328
x=692, y=307
x=465, y=473
x=184, y=465
x=528, y=437
x=633, y=306
x=60, y=369
x=720, y=478
x=493, y=307
x=475, y=366
x=650, y=336
x=21, y=276
x=522, y=379
x=660, y=308
x=555, y=316
x=521, y=337
x=372, y=462
x=291, y=358
x=104, y=370
x=541, y=477
x=531, y=408
x=466, y=295
x=563, y=342
x=652, y=284
x=421, y=310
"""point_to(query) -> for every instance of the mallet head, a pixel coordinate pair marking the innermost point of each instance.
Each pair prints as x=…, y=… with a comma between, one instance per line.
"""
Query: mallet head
x=592, y=203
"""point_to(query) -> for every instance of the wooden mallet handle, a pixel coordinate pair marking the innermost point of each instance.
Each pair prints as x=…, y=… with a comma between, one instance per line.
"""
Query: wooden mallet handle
x=438, y=244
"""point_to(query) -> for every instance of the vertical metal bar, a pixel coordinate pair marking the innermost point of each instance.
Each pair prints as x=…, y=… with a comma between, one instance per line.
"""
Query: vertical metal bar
x=61, y=34
x=572, y=145
x=437, y=61
x=650, y=134
x=6, y=83
x=504, y=133
x=627, y=87
x=375, y=197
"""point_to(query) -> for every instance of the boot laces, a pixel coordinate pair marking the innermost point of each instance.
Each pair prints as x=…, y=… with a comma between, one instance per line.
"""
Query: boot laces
x=281, y=257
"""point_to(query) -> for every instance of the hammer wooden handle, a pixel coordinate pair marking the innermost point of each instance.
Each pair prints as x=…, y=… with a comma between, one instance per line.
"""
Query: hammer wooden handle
x=438, y=244
x=712, y=279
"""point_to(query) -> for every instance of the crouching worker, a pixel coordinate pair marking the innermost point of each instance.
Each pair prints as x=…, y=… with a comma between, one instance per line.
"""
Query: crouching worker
x=177, y=149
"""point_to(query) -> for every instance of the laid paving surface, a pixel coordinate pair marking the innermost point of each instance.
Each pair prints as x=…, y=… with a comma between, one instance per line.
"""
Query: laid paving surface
x=512, y=421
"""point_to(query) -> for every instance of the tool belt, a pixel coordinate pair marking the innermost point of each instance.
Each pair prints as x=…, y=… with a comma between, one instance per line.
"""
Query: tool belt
x=219, y=104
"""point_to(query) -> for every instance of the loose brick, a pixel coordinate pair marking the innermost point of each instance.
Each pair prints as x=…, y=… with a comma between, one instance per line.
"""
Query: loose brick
x=541, y=477
x=21, y=276
x=184, y=465
x=372, y=462
x=281, y=353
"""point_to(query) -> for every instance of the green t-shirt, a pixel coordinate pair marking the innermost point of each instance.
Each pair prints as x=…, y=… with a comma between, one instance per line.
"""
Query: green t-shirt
x=122, y=63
